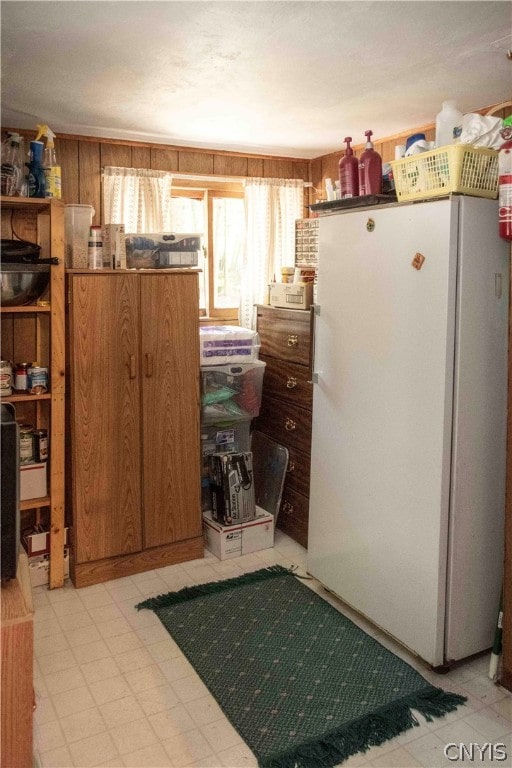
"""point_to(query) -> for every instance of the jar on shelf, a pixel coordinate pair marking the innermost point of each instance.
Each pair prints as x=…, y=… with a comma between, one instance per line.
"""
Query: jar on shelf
x=5, y=378
x=21, y=377
x=26, y=443
x=40, y=445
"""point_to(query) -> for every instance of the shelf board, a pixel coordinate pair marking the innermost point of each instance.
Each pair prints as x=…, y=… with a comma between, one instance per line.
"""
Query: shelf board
x=25, y=398
x=25, y=309
x=44, y=501
x=25, y=202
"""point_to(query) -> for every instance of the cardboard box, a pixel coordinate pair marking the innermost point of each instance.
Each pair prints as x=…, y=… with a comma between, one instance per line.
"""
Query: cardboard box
x=221, y=344
x=227, y=541
x=39, y=569
x=32, y=481
x=38, y=542
x=232, y=487
x=291, y=295
x=114, y=247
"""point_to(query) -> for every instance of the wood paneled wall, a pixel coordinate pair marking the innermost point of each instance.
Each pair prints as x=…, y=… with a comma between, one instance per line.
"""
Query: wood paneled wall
x=83, y=158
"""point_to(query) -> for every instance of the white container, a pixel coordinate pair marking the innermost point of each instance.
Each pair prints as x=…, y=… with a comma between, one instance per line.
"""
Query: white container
x=33, y=481
x=77, y=223
x=448, y=125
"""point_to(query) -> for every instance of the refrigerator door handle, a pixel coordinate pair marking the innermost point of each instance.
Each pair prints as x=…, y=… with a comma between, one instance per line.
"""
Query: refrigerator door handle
x=312, y=377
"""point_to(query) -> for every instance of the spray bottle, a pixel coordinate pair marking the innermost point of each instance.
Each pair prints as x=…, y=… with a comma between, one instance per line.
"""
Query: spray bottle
x=51, y=169
x=36, y=178
x=349, y=172
x=370, y=169
x=12, y=165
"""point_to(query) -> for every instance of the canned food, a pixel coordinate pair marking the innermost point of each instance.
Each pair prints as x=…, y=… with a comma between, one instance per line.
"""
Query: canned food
x=21, y=377
x=5, y=378
x=26, y=443
x=41, y=444
x=37, y=379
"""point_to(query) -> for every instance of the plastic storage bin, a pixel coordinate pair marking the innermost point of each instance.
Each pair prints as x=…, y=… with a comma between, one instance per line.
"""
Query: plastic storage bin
x=77, y=222
x=455, y=168
x=231, y=391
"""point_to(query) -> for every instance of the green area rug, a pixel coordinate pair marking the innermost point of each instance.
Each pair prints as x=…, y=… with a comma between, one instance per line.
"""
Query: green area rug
x=301, y=683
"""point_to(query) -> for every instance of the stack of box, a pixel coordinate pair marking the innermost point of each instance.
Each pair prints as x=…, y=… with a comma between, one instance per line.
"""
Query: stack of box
x=231, y=388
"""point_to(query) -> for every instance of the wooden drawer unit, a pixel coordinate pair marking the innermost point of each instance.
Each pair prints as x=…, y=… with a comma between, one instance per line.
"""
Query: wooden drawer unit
x=285, y=423
x=286, y=409
x=285, y=334
x=293, y=515
x=288, y=381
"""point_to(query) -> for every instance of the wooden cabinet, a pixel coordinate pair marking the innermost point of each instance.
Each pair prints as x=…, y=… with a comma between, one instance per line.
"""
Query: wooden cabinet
x=36, y=332
x=286, y=409
x=134, y=421
x=17, y=669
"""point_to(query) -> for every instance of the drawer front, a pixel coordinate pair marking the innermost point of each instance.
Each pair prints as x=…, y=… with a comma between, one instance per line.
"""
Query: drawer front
x=284, y=337
x=298, y=471
x=286, y=424
x=288, y=381
x=293, y=515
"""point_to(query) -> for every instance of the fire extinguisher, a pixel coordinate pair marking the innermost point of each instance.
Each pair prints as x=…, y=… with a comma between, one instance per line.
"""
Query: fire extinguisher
x=505, y=184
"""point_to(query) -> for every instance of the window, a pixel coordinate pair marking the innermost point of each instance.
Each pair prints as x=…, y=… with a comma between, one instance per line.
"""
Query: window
x=219, y=214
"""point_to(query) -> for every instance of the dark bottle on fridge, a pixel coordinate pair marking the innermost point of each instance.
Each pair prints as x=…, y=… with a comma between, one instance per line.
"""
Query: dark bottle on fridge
x=370, y=169
x=349, y=172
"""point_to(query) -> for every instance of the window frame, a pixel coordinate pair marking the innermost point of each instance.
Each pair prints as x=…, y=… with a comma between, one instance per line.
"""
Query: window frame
x=207, y=191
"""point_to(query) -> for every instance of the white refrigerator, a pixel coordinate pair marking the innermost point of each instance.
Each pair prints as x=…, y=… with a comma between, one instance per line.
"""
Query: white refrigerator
x=409, y=420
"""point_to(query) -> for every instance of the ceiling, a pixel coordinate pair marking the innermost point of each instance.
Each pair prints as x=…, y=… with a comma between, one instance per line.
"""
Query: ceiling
x=283, y=78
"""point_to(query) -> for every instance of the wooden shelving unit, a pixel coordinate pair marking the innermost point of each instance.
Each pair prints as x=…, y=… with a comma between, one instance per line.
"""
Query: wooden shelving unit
x=38, y=333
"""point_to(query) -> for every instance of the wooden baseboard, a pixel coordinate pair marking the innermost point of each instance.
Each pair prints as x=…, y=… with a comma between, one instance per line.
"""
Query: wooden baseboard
x=85, y=574
x=506, y=679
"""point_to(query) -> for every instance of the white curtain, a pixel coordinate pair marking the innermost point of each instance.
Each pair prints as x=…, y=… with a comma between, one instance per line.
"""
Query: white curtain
x=271, y=207
x=138, y=198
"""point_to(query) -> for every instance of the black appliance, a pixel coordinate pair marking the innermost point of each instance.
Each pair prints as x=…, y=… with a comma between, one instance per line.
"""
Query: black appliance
x=10, y=492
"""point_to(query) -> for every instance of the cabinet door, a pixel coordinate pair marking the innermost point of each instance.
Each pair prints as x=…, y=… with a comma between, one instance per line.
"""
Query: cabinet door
x=170, y=403
x=105, y=380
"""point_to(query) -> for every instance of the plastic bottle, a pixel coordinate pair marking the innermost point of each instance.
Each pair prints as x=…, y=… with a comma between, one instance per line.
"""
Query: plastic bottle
x=12, y=166
x=349, y=172
x=505, y=182
x=370, y=169
x=52, y=170
x=448, y=125
x=36, y=177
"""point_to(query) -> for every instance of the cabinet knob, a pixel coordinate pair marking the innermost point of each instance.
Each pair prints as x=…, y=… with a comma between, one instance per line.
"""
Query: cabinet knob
x=149, y=365
x=290, y=425
x=293, y=340
x=291, y=466
x=291, y=382
x=287, y=508
x=133, y=369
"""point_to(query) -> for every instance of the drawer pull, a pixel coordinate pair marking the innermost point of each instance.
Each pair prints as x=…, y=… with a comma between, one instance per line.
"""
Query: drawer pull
x=290, y=425
x=287, y=508
x=291, y=382
x=291, y=466
x=293, y=340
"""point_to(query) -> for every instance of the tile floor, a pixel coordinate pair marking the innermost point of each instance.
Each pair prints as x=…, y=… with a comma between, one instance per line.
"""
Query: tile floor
x=113, y=689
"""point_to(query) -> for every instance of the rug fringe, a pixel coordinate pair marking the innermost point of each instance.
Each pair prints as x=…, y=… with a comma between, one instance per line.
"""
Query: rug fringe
x=189, y=593
x=370, y=731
